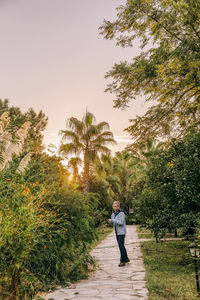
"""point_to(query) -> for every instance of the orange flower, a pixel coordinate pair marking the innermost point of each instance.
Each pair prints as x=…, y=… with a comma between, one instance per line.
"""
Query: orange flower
x=50, y=236
x=55, y=214
x=52, y=225
x=27, y=189
x=30, y=199
x=24, y=193
x=45, y=246
x=58, y=221
x=58, y=209
x=44, y=191
x=15, y=186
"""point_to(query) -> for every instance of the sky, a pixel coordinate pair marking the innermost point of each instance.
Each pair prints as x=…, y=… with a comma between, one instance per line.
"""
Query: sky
x=52, y=58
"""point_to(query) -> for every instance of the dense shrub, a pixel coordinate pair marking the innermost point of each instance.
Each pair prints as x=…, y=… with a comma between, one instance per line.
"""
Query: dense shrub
x=170, y=195
x=44, y=232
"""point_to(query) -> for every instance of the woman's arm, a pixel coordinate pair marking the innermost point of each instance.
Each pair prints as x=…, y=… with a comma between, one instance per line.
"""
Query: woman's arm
x=120, y=219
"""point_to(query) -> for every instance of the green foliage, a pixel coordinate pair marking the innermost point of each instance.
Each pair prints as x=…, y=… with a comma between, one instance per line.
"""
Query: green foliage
x=46, y=224
x=44, y=229
x=170, y=195
x=167, y=72
x=47, y=170
x=100, y=188
x=118, y=174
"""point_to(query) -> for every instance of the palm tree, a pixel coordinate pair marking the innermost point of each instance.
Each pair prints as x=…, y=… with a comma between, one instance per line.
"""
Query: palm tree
x=74, y=163
x=88, y=139
x=141, y=153
x=145, y=149
x=120, y=172
x=104, y=170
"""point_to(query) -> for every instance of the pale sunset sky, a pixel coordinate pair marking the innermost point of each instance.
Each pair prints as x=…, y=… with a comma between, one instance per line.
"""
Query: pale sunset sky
x=54, y=59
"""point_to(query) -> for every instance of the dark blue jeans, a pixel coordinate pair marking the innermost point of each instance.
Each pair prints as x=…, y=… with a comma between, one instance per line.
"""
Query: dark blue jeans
x=120, y=240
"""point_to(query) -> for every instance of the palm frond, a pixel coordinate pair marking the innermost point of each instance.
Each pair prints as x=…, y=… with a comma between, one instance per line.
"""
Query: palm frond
x=69, y=148
x=106, y=141
x=103, y=140
x=76, y=125
x=108, y=134
x=102, y=149
x=102, y=126
x=71, y=135
x=106, y=159
x=89, y=133
x=75, y=161
x=88, y=119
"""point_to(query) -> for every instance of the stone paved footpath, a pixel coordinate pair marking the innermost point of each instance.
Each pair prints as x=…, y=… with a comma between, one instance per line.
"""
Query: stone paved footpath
x=109, y=281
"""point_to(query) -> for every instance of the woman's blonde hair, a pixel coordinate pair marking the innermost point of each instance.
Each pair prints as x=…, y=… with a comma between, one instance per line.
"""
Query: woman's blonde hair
x=116, y=202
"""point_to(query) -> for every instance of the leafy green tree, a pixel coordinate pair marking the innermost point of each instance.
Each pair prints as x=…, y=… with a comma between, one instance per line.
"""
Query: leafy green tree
x=167, y=72
x=170, y=195
x=158, y=207
x=47, y=170
x=87, y=138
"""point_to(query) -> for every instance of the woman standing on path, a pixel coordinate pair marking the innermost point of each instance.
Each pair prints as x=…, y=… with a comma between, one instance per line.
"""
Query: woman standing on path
x=119, y=222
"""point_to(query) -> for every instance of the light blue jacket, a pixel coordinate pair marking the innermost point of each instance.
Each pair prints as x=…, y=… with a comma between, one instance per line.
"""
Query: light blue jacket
x=120, y=222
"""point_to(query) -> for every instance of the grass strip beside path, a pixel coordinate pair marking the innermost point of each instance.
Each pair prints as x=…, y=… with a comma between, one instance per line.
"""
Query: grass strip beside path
x=169, y=270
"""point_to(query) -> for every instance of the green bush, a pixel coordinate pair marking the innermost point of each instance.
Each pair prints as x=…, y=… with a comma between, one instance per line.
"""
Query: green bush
x=44, y=232
x=170, y=196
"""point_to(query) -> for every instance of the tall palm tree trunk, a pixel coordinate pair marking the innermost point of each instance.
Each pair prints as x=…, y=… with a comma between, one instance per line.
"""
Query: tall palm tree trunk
x=75, y=175
x=86, y=173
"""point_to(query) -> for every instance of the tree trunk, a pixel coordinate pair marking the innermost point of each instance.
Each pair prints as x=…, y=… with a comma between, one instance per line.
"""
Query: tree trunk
x=86, y=173
x=75, y=175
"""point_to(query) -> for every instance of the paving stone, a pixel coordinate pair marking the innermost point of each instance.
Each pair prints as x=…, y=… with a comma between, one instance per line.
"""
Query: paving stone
x=110, y=282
